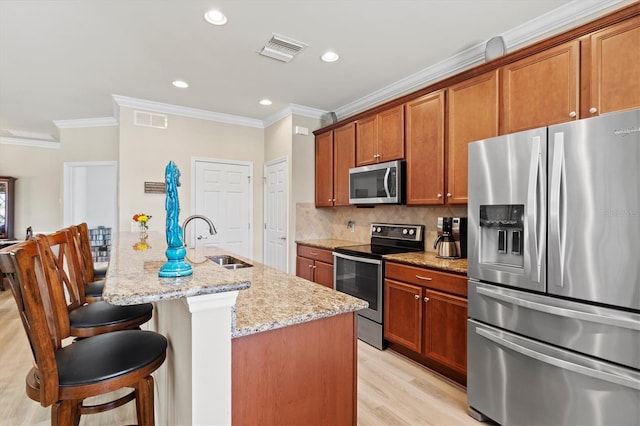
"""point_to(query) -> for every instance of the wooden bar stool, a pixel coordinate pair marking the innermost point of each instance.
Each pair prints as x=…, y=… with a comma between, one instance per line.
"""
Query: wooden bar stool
x=64, y=376
x=86, y=319
x=93, y=279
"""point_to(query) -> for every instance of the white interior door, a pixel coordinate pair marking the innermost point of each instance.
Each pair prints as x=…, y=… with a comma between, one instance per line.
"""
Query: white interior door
x=276, y=244
x=91, y=194
x=223, y=194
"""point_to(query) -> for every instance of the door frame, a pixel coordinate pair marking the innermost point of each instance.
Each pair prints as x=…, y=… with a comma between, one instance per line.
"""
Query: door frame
x=285, y=160
x=67, y=196
x=194, y=160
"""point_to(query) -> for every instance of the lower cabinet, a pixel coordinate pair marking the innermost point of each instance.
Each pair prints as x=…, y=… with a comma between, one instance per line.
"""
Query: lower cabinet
x=426, y=314
x=315, y=264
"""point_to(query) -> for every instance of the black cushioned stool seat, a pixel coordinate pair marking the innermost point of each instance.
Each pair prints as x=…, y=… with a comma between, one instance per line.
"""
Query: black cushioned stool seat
x=108, y=356
x=85, y=319
x=94, y=289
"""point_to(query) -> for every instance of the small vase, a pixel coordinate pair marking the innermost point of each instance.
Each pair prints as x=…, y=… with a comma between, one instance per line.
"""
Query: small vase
x=143, y=228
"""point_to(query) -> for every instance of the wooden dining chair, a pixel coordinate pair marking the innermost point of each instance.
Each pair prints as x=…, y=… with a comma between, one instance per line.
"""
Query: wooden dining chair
x=93, y=279
x=64, y=376
x=86, y=319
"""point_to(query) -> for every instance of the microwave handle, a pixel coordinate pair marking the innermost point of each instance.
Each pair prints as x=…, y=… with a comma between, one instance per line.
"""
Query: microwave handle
x=386, y=181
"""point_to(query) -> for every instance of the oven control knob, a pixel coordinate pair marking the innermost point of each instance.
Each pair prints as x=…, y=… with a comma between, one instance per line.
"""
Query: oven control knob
x=378, y=229
x=411, y=232
x=404, y=231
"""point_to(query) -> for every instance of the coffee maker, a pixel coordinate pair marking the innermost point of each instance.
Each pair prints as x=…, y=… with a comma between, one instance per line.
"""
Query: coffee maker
x=451, y=242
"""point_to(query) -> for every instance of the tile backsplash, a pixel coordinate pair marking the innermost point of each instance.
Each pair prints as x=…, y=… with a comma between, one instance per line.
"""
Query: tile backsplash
x=320, y=223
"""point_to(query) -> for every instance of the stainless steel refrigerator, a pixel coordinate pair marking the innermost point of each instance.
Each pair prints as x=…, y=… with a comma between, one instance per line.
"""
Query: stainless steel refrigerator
x=554, y=274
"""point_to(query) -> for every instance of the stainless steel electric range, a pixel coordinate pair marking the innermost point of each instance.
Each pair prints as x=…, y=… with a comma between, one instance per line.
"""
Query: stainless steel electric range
x=359, y=271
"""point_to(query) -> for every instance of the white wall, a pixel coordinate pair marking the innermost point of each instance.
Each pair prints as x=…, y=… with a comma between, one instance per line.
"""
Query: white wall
x=39, y=188
x=145, y=152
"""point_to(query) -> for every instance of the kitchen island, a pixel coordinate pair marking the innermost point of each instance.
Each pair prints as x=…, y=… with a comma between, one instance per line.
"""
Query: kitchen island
x=251, y=345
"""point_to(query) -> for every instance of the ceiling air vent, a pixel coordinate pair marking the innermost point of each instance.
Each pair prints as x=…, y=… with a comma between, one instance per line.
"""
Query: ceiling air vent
x=149, y=119
x=282, y=48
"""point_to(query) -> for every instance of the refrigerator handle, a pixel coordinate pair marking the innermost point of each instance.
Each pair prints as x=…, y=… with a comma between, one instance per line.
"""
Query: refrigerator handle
x=555, y=209
x=556, y=362
x=631, y=323
x=533, y=200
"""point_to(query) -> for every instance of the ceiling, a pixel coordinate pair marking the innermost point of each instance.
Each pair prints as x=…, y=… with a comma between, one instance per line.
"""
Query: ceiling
x=64, y=60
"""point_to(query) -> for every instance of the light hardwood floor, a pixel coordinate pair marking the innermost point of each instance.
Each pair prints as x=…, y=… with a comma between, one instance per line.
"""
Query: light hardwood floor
x=392, y=390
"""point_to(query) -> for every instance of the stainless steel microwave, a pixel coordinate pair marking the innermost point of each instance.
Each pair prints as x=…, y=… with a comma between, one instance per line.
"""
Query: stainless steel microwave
x=382, y=183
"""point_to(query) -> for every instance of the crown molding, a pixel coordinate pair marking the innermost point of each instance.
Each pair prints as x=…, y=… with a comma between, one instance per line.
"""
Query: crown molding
x=292, y=109
x=124, y=101
x=86, y=122
x=34, y=143
x=570, y=14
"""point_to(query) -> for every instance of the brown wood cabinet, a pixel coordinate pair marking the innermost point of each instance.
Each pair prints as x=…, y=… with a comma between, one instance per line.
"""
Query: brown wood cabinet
x=611, y=69
x=315, y=264
x=324, y=170
x=424, y=122
x=426, y=312
x=380, y=137
x=335, y=155
x=344, y=158
x=472, y=115
x=542, y=89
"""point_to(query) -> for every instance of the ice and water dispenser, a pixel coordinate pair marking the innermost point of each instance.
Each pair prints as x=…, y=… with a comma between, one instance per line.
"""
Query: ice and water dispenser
x=502, y=234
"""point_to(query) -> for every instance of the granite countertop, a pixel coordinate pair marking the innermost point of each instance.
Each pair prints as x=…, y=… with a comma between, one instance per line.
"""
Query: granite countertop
x=425, y=259
x=268, y=299
x=428, y=259
x=328, y=244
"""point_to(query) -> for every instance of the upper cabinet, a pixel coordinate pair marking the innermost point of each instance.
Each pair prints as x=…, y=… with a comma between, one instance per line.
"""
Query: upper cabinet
x=611, y=69
x=590, y=70
x=324, y=170
x=472, y=115
x=335, y=155
x=380, y=137
x=541, y=89
x=425, y=149
x=344, y=152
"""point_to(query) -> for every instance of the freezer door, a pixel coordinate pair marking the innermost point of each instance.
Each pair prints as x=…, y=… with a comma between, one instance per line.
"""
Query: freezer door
x=594, y=209
x=609, y=334
x=507, y=205
x=519, y=381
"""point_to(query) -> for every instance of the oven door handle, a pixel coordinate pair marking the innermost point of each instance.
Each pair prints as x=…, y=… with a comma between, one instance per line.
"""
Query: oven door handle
x=357, y=258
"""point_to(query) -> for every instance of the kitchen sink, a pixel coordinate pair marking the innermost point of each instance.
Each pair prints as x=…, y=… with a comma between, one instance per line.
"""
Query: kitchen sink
x=229, y=262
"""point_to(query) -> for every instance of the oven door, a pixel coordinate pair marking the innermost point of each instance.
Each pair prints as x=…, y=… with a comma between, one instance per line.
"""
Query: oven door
x=360, y=277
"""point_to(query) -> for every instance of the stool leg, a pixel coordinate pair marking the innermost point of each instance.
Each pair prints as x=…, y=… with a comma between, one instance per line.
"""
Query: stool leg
x=65, y=413
x=144, y=402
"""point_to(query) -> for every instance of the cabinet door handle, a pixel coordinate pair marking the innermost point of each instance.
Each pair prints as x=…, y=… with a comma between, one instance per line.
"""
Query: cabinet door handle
x=449, y=194
x=310, y=266
x=313, y=253
x=426, y=299
x=593, y=110
x=417, y=296
x=314, y=266
x=423, y=278
x=572, y=114
x=439, y=195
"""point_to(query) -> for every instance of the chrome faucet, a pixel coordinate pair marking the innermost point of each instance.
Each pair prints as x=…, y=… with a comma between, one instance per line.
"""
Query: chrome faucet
x=212, y=228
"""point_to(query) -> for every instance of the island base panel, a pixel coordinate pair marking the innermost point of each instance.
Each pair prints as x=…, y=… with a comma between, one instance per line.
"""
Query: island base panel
x=302, y=374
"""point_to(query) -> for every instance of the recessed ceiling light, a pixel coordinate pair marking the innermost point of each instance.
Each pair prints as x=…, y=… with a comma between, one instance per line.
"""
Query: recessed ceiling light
x=330, y=56
x=215, y=17
x=265, y=102
x=180, y=84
